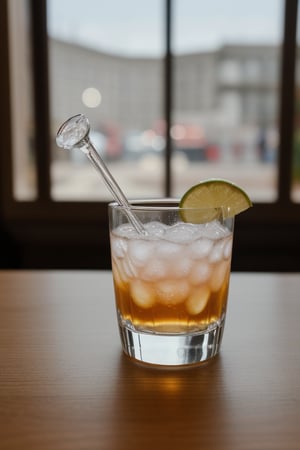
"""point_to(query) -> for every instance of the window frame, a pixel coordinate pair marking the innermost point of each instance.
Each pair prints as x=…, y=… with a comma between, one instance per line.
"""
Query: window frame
x=262, y=233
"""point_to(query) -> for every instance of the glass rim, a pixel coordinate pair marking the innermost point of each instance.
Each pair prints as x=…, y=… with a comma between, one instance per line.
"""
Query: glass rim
x=160, y=204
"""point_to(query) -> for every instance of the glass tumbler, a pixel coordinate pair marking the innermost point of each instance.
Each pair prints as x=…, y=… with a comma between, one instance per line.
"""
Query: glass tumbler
x=171, y=282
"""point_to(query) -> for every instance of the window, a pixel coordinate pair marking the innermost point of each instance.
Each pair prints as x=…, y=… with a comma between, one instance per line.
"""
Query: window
x=235, y=106
x=217, y=121
x=110, y=69
x=22, y=108
x=175, y=92
x=296, y=152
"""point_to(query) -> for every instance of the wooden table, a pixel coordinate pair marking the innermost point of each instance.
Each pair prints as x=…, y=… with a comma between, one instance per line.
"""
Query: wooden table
x=65, y=384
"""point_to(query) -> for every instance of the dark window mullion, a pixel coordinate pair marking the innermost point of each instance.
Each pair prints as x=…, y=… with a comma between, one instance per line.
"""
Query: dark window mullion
x=6, y=159
x=41, y=96
x=287, y=101
x=168, y=94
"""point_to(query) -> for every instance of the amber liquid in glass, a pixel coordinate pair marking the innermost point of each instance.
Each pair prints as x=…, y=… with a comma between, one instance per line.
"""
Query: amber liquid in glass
x=168, y=284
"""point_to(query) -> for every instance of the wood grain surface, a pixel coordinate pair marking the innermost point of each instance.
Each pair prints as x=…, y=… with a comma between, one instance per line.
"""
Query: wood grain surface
x=65, y=384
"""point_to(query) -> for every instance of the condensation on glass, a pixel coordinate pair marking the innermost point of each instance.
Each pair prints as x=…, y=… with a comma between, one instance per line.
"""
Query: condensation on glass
x=226, y=93
x=106, y=61
x=22, y=117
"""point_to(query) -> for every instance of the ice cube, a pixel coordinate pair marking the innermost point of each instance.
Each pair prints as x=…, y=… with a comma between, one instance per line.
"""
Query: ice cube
x=119, y=273
x=219, y=275
x=200, y=273
x=142, y=293
x=180, y=267
x=167, y=249
x=126, y=230
x=215, y=230
x=200, y=248
x=116, y=272
x=128, y=269
x=227, y=248
x=154, y=270
x=172, y=292
x=155, y=229
x=198, y=300
x=118, y=247
x=180, y=233
x=216, y=253
x=139, y=251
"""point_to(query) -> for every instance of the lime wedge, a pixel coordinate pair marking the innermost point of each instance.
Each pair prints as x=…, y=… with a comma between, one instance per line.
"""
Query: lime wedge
x=201, y=202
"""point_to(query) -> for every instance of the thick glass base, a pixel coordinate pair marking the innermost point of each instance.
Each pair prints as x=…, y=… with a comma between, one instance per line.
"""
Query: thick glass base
x=171, y=349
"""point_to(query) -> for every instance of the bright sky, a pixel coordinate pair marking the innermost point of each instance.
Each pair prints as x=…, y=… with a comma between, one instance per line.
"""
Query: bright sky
x=135, y=27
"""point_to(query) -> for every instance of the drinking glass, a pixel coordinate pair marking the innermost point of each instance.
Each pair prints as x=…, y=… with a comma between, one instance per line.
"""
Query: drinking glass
x=171, y=282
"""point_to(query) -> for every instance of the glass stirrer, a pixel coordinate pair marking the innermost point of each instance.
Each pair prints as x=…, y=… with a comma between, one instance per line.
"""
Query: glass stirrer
x=74, y=133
